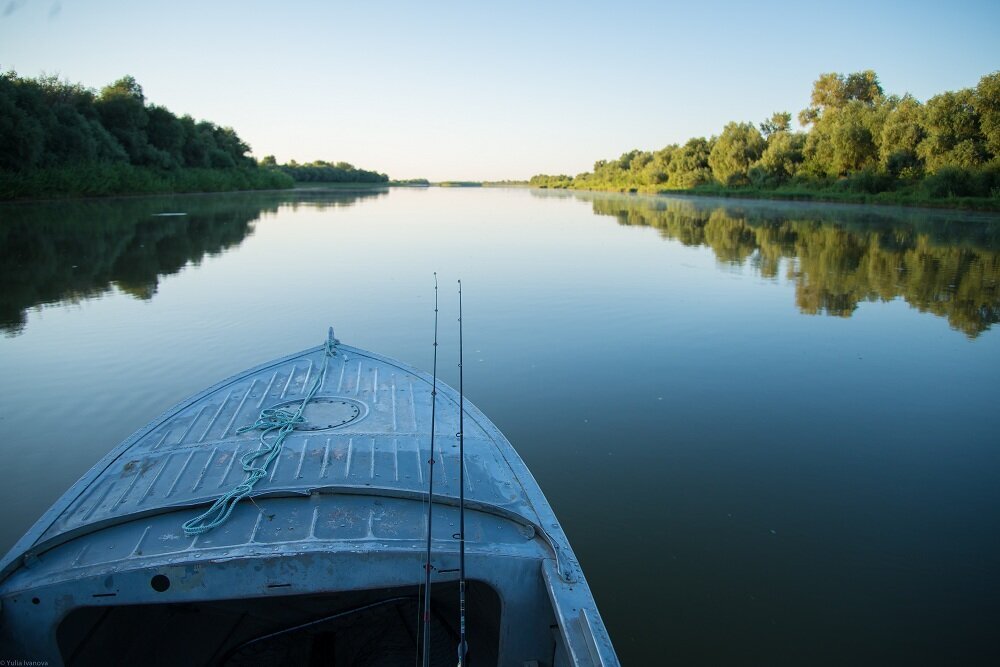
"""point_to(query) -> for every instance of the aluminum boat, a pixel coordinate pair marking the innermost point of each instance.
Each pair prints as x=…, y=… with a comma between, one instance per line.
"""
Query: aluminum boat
x=324, y=559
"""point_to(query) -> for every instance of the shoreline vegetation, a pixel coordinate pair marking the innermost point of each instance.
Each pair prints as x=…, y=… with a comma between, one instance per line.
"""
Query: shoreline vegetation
x=910, y=197
x=61, y=140
x=859, y=145
x=320, y=171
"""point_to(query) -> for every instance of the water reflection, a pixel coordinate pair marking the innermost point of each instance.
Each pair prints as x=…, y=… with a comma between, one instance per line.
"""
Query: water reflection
x=56, y=252
x=945, y=263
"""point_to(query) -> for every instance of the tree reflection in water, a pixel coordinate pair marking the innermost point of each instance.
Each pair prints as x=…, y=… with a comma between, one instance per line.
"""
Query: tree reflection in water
x=945, y=263
x=65, y=252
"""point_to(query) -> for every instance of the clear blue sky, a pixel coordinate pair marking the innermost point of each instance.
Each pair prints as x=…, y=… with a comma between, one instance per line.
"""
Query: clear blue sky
x=467, y=90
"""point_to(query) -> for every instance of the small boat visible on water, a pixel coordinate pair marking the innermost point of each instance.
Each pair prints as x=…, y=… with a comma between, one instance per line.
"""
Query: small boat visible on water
x=173, y=550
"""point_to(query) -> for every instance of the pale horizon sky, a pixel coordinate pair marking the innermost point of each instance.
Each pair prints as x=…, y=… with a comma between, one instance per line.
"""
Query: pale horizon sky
x=450, y=90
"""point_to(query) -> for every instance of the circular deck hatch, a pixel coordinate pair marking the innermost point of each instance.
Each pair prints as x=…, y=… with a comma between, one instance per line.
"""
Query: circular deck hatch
x=326, y=412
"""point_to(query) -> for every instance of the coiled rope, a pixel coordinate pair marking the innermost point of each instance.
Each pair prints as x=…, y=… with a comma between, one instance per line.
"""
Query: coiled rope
x=270, y=420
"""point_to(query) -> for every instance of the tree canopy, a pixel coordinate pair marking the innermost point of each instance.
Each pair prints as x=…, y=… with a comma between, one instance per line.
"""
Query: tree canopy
x=320, y=171
x=46, y=122
x=856, y=138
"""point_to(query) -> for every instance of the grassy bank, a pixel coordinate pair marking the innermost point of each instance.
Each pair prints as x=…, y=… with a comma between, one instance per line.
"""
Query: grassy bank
x=352, y=187
x=312, y=185
x=912, y=195
x=906, y=197
x=102, y=180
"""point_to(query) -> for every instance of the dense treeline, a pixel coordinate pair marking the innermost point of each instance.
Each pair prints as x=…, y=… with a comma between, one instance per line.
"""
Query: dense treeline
x=839, y=259
x=857, y=139
x=60, y=138
x=319, y=171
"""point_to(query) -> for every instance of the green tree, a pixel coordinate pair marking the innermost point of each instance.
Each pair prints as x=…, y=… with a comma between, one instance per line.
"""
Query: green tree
x=902, y=133
x=834, y=91
x=689, y=166
x=166, y=135
x=232, y=151
x=22, y=138
x=559, y=181
x=863, y=87
x=738, y=147
x=655, y=170
x=846, y=113
x=953, y=136
x=780, y=121
x=72, y=130
x=828, y=93
x=781, y=160
x=987, y=105
x=122, y=109
x=854, y=128
x=195, y=147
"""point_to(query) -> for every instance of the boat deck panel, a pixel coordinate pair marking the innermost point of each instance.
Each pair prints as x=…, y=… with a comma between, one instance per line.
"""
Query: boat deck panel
x=192, y=456
x=269, y=526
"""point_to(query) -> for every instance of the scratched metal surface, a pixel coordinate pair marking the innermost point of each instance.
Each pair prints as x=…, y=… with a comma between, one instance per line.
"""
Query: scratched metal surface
x=349, y=484
x=323, y=523
x=190, y=455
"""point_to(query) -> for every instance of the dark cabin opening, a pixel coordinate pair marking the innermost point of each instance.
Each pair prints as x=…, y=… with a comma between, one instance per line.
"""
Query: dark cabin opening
x=363, y=628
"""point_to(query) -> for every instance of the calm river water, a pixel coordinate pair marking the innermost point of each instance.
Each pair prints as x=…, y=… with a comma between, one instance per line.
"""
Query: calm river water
x=771, y=431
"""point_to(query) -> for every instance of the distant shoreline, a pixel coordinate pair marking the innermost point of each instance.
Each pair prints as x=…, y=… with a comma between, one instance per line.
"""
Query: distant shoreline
x=990, y=204
x=982, y=204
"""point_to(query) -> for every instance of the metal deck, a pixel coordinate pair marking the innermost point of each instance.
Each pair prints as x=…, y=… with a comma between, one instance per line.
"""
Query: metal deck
x=351, y=481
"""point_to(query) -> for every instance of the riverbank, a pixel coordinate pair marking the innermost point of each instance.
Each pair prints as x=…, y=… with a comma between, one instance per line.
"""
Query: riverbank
x=109, y=180
x=57, y=185
x=314, y=185
x=897, y=198
x=905, y=197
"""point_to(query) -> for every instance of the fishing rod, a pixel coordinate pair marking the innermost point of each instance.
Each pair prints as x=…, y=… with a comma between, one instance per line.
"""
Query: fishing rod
x=462, y=646
x=430, y=492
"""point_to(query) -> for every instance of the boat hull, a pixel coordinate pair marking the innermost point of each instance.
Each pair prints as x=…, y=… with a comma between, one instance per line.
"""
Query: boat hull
x=338, y=525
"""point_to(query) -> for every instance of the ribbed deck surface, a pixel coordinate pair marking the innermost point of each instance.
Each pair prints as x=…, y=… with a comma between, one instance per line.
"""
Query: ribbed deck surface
x=322, y=523
x=341, y=509
x=191, y=455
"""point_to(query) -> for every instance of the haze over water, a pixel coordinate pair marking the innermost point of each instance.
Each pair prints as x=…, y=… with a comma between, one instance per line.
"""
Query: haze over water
x=769, y=430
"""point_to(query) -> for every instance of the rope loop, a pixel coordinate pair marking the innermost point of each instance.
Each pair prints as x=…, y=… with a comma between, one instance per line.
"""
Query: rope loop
x=270, y=420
